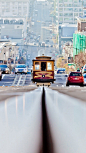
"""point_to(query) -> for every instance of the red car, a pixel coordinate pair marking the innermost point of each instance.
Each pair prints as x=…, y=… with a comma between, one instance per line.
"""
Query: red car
x=75, y=78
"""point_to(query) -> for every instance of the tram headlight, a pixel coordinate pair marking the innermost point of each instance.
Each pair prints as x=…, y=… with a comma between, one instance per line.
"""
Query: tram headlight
x=43, y=76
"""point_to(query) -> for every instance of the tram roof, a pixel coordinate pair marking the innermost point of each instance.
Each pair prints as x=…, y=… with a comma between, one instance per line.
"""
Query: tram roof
x=43, y=57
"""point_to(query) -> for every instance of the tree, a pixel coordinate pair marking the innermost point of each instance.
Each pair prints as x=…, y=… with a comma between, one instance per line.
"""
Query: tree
x=80, y=60
x=62, y=63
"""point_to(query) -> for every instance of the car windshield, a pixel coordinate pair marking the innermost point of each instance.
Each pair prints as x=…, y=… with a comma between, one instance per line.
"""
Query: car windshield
x=21, y=66
x=3, y=66
x=75, y=74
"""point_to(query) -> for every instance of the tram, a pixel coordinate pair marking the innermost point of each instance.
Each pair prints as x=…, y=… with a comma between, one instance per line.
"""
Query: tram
x=43, y=70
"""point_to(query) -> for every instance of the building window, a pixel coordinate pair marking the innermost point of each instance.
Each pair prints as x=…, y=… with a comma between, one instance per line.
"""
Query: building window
x=60, y=1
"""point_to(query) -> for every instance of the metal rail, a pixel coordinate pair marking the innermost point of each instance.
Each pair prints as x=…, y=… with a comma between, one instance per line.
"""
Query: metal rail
x=43, y=121
x=67, y=120
x=20, y=126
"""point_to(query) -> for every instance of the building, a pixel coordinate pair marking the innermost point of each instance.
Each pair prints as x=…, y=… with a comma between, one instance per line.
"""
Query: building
x=9, y=52
x=79, y=37
x=66, y=34
x=10, y=8
x=81, y=22
x=67, y=11
x=13, y=27
x=68, y=51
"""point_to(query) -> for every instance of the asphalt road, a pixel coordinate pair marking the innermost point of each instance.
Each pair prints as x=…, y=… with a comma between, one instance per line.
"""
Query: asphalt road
x=7, y=80
x=59, y=85
x=40, y=20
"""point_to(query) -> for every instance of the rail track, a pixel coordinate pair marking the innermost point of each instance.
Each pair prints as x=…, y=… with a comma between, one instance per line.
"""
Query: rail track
x=43, y=121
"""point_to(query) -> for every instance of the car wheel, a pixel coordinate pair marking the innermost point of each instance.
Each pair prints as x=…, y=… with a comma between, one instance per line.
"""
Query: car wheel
x=67, y=84
x=81, y=85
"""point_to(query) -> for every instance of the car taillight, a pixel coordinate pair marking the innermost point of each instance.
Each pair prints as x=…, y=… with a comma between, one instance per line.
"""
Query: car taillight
x=69, y=78
x=81, y=78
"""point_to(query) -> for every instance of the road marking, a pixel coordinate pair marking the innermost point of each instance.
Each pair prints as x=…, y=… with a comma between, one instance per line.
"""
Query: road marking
x=3, y=76
x=62, y=85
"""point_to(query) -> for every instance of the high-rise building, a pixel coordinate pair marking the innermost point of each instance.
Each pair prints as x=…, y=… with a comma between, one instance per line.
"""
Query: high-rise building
x=12, y=8
x=67, y=11
x=84, y=6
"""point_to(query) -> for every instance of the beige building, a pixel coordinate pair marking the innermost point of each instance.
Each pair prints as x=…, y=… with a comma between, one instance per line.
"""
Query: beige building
x=81, y=24
x=68, y=50
x=8, y=52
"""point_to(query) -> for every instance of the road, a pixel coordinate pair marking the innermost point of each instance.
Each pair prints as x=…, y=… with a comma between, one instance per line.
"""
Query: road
x=7, y=80
x=38, y=120
x=59, y=85
x=41, y=19
x=41, y=119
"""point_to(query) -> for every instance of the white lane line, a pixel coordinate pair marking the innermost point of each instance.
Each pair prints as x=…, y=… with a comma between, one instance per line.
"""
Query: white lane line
x=62, y=85
x=3, y=76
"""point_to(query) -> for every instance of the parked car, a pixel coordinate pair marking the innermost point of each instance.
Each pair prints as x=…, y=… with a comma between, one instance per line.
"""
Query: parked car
x=21, y=68
x=84, y=69
x=0, y=75
x=81, y=69
x=75, y=78
x=61, y=71
x=29, y=71
x=4, y=69
x=84, y=75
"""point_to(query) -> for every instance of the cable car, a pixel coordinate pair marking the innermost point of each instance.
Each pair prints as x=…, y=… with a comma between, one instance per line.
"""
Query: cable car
x=43, y=70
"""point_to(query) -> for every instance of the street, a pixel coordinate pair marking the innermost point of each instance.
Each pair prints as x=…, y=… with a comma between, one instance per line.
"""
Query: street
x=48, y=117
x=59, y=85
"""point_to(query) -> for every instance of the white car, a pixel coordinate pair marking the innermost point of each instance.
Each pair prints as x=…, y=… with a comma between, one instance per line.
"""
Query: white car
x=21, y=68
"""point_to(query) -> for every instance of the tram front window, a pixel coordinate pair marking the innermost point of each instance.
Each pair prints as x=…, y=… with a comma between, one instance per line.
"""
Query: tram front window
x=43, y=66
